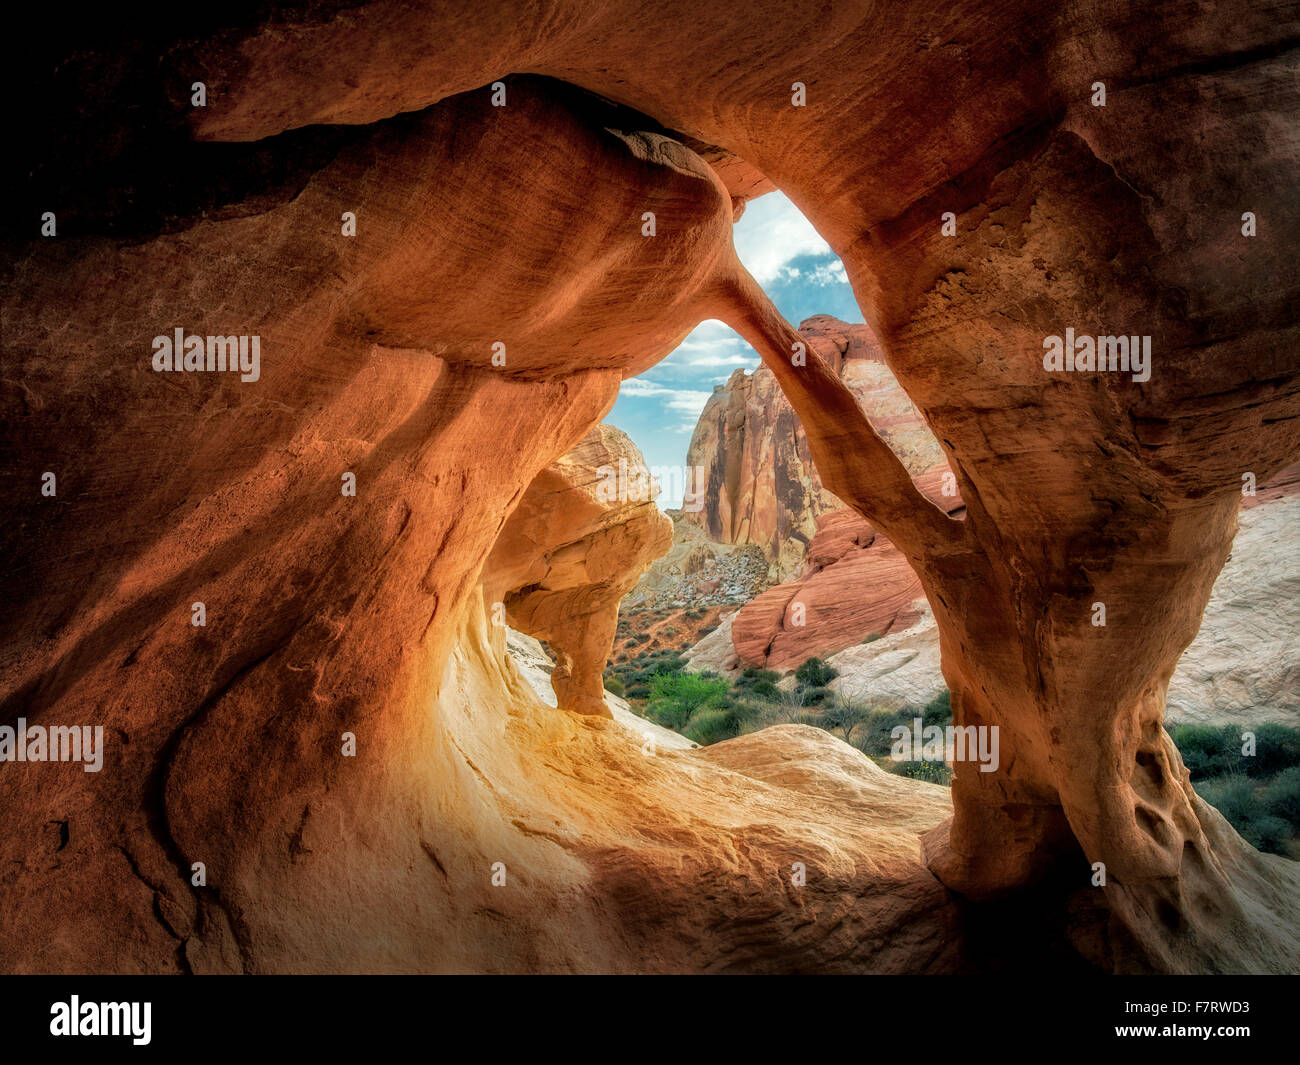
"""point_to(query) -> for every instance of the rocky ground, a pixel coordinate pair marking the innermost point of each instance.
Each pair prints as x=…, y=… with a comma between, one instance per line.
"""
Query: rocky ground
x=699, y=572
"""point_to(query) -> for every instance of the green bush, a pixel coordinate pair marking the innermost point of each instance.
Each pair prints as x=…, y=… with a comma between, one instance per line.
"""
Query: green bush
x=638, y=691
x=815, y=673
x=614, y=684
x=1209, y=751
x=846, y=716
x=1233, y=796
x=816, y=696
x=1270, y=834
x=1276, y=748
x=872, y=638
x=674, y=697
x=710, y=725
x=874, y=737
x=938, y=711
x=751, y=678
x=1282, y=796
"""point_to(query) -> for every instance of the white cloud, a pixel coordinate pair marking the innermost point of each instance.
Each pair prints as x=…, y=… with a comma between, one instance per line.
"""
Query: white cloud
x=771, y=234
x=719, y=361
x=830, y=273
x=689, y=402
x=681, y=399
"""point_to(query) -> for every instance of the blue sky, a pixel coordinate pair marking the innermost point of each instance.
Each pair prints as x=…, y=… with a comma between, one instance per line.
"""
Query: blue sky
x=796, y=268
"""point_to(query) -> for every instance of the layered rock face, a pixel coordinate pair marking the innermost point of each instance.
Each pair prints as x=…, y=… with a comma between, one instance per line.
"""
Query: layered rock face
x=573, y=547
x=522, y=226
x=762, y=487
x=854, y=583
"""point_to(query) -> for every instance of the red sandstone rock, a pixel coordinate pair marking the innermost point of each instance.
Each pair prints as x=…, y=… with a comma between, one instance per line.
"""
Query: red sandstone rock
x=854, y=583
x=1284, y=483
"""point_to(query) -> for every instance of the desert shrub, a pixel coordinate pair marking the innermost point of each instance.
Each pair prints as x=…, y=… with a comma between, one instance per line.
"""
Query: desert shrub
x=815, y=673
x=706, y=630
x=638, y=691
x=938, y=711
x=1266, y=814
x=1233, y=796
x=710, y=725
x=751, y=675
x=670, y=631
x=614, y=684
x=1276, y=748
x=722, y=722
x=674, y=697
x=1270, y=834
x=872, y=638
x=934, y=772
x=874, y=736
x=1282, y=796
x=670, y=662
x=846, y=716
x=816, y=696
x=1209, y=751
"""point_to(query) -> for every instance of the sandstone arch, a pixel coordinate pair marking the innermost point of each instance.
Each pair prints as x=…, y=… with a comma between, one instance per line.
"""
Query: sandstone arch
x=1068, y=215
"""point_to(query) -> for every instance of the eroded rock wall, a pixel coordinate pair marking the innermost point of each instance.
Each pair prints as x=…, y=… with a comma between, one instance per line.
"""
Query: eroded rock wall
x=574, y=546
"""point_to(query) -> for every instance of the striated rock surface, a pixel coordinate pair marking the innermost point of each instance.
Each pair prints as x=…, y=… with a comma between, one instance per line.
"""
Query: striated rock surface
x=572, y=548
x=854, y=583
x=333, y=742
x=762, y=486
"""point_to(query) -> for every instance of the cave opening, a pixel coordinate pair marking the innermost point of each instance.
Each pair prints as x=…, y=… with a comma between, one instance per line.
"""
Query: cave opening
x=661, y=408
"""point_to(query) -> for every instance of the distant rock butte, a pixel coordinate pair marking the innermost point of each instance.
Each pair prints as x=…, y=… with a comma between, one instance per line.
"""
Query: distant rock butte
x=762, y=486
